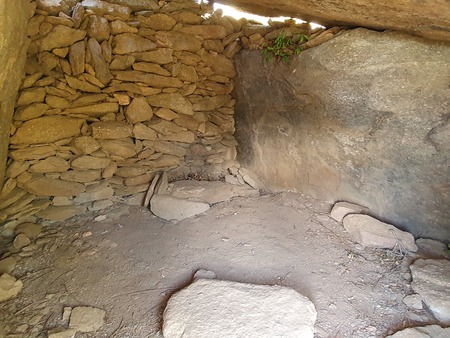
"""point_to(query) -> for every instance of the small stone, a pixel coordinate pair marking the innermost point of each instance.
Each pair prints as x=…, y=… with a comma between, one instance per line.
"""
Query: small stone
x=250, y=178
x=138, y=111
x=124, y=148
x=111, y=130
x=178, y=41
x=152, y=80
x=100, y=66
x=87, y=234
x=8, y=264
x=100, y=218
x=59, y=201
x=66, y=313
x=413, y=302
x=127, y=43
x=142, y=132
x=45, y=186
x=30, y=111
x=173, y=101
x=86, y=144
x=215, y=308
x=52, y=164
x=30, y=96
x=21, y=241
x=158, y=22
x=77, y=56
x=206, y=31
x=160, y=56
x=100, y=205
x=118, y=27
x=81, y=176
x=98, y=28
x=60, y=36
x=205, y=274
x=342, y=209
x=32, y=230
x=173, y=208
x=371, y=232
x=90, y=162
x=95, y=192
x=9, y=287
x=431, y=280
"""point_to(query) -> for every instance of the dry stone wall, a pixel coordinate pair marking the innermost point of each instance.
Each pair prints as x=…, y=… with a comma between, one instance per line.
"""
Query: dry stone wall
x=114, y=92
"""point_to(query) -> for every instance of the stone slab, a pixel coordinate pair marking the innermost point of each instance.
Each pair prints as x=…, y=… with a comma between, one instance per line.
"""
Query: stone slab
x=221, y=309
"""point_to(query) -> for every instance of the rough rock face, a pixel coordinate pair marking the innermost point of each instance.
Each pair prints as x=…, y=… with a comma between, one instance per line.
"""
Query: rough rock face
x=13, y=45
x=426, y=18
x=362, y=118
x=215, y=308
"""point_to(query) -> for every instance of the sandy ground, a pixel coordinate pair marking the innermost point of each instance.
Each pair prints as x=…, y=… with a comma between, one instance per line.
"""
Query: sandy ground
x=134, y=261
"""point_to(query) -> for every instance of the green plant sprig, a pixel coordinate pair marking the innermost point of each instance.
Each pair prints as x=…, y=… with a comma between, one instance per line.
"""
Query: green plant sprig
x=283, y=47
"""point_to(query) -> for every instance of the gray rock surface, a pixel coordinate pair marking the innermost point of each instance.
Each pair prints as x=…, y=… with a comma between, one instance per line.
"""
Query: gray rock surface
x=430, y=331
x=371, y=232
x=342, y=209
x=221, y=309
x=432, y=248
x=348, y=120
x=431, y=280
x=413, y=302
x=174, y=208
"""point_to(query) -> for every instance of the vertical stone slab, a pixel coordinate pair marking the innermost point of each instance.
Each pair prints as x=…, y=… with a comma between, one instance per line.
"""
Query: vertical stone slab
x=13, y=47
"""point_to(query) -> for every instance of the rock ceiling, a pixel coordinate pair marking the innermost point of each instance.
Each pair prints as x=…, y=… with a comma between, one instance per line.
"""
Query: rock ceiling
x=427, y=18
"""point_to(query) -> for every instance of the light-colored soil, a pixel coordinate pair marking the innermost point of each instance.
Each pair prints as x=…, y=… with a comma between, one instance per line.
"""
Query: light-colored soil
x=133, y=262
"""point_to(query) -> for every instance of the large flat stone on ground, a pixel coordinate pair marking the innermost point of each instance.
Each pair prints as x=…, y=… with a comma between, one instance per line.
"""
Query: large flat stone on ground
x=431, y=280
x=221, y=309
x=86, y=319
x=174, y=208
x=430, y=331
x=209, y=191
x=371, y=232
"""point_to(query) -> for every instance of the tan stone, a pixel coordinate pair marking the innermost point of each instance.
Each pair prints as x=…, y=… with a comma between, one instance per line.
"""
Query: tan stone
x=138, y=111
x=95, y=192
x=188, y=58
x=77, y=56
x=47, y=129
x=52, y=164
x=24, y=177
x=185, y=136
x=142, y=132
x=152, y=80
x=30, y=80
x=214, y=45
x=165, y=161
x=19, y=206
x=31, y=230
x=107, y=8
x=188, y=73
x=178, y=41
x=61, y=213
x=8, y=264
x=124, y=148
x=123, y=99
x=90, y=162
x=9, y=287
x=16, y=168
x=61, y=201
x=21, y=241
x=30, y=112
x=95, y=110
x=56, y=102
x=61, y=52
x=32, y=153
x=138, y=180
x=81, y=176
x=211, y=103
x=109, y=171
x=187, y=122
x=11, y=197
x=82, y=85
x=119, y=27
x=129, y=43
x=60, y=36
x=221, y=65
x=98, y=28
x=164, y=127
x=111, y=130
x=165, y=147
x=173, y=101
x=151, y=68
x=98, y=61
x=160, y=56
x=206, y=31
x=86, y=144
x=158, y=22
x=166, y=114
x=131, y=171
x=44, y=186
x=30, y=96
x=122, y=62
x=187, y=17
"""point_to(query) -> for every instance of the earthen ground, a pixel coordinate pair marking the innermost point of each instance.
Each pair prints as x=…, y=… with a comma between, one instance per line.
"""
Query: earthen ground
x=133, y=262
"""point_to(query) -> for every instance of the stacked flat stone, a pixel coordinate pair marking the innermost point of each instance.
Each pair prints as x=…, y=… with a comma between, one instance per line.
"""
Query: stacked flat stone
x=114, y=92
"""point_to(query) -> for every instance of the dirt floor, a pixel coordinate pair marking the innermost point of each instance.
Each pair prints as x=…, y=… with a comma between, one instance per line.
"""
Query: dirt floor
x=130, y=263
